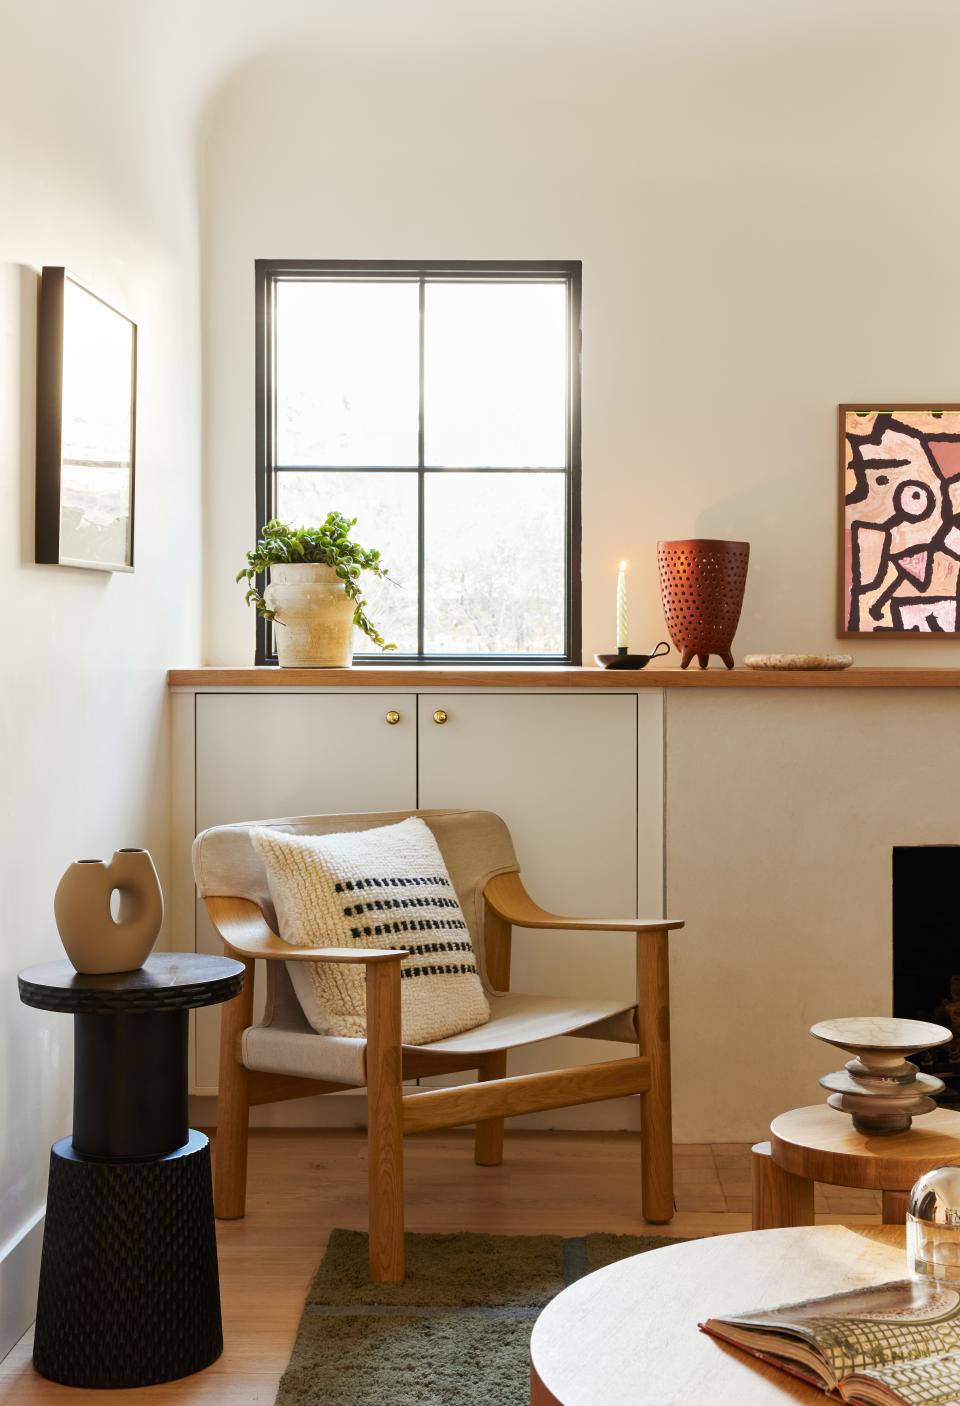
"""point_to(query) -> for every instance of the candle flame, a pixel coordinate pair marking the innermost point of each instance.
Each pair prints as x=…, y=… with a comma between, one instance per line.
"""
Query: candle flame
x=623, y=566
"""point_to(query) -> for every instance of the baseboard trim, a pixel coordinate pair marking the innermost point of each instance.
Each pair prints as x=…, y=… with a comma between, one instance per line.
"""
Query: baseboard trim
x=349, y=1110
x=19, y=1276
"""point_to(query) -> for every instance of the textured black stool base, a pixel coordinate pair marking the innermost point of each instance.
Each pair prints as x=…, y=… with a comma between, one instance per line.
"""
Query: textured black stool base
x=129, y=1292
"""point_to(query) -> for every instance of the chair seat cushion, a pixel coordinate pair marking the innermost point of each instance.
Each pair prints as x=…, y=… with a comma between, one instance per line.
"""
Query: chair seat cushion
x=384, y=887
x=515, y=1019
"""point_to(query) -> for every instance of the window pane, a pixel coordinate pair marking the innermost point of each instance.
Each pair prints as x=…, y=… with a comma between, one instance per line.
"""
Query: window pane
x=494, y=563
x=348, y=379
x=495, y=375
x=385, y=506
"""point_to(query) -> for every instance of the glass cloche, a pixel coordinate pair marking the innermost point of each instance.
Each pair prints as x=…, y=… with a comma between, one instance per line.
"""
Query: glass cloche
x=933, y=1225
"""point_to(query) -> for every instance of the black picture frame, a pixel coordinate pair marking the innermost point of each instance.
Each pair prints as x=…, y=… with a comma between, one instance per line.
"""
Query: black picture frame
x=86, y=427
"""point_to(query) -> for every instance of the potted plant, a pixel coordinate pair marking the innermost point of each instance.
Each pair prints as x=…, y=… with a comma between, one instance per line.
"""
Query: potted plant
x=314, y=597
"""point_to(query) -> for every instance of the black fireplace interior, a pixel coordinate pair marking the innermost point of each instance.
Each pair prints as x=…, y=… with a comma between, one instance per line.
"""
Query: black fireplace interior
x=926, y=951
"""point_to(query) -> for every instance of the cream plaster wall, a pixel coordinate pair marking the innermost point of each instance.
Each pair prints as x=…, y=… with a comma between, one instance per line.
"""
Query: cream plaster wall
x=96, y=171
x=762, y=200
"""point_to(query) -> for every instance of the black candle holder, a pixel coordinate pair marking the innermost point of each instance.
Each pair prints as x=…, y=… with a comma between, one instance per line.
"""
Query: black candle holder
x=623, y=659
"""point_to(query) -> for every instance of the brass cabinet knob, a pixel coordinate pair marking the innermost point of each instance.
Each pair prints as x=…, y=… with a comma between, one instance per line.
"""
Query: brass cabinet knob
x=393, y=717
x=440, y=716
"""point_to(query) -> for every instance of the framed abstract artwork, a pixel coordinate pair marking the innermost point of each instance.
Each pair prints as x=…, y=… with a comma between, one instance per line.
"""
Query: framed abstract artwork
x=86, y=427
x=899, y=519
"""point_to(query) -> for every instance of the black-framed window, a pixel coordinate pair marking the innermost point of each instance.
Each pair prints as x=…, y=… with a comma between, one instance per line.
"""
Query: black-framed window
x=439, y=405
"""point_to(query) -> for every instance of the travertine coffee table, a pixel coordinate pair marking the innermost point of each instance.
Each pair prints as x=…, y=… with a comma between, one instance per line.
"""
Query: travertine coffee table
x=815, y=1144
x=627, y=1334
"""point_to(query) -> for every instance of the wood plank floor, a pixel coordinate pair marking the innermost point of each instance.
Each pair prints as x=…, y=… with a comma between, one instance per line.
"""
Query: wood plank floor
x=304, y=1184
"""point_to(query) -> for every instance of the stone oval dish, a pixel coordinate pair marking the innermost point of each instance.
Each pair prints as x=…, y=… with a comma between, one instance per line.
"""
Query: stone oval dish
x=798, y=661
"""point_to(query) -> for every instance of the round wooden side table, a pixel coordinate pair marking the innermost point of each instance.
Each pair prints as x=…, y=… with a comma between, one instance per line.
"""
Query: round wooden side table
x=627, y=1334
x=814, y=1144
x=129, y=1290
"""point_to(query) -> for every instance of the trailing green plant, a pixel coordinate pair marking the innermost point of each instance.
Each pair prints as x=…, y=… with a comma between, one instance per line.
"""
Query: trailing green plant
x=328, y=545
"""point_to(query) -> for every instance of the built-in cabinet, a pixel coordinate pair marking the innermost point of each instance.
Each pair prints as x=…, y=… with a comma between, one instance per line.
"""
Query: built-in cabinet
x=264, y=754
x=577, y=777
x=764, y=805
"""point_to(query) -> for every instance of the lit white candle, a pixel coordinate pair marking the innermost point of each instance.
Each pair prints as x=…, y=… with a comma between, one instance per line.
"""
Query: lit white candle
x=622, y=606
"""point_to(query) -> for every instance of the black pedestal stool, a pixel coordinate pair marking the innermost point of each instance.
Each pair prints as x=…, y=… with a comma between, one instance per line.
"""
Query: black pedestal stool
x=129, y=1290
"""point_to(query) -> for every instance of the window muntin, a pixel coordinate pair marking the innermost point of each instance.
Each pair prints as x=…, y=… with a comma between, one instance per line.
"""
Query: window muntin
x=439, y=405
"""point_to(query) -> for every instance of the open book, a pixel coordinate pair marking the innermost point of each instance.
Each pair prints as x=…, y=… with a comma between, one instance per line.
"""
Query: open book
x=895, y=1345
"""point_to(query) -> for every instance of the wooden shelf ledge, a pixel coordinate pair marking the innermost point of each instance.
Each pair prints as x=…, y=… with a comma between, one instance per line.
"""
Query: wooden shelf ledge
x=429, y=678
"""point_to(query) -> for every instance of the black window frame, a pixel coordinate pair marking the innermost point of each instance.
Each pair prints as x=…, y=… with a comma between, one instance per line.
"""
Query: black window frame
x=268, y=273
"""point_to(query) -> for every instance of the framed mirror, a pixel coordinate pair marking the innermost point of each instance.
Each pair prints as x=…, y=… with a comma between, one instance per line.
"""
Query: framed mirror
x=86, y=427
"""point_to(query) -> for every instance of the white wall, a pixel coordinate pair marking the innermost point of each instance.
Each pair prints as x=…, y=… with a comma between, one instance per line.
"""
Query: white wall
x=96, y=172
x=762, y=200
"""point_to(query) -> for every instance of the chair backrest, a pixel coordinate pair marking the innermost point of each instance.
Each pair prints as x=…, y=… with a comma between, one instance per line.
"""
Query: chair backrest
x=475, y=845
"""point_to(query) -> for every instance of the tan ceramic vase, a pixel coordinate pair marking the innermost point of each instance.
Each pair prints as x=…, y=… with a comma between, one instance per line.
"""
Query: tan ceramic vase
x=93, y=941
x=314, y=617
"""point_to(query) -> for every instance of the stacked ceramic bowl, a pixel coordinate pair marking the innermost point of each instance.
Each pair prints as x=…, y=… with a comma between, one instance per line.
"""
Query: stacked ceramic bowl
x=879, y=1087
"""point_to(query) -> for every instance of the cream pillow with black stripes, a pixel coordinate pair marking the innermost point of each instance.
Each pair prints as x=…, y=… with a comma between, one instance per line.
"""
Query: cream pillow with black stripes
x=387, y=887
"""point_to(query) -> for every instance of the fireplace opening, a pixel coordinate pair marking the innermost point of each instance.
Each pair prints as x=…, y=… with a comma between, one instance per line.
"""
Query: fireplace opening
x=926, y=952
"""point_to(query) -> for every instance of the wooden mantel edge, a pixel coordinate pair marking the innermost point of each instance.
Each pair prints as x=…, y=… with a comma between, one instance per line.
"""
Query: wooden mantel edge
x=430, y=678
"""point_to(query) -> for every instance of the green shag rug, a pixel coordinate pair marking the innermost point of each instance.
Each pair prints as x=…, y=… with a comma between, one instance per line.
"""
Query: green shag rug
x=456, y=1333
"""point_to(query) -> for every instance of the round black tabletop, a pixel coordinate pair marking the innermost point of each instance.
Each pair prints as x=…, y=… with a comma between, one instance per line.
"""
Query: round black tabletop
x=167, y=981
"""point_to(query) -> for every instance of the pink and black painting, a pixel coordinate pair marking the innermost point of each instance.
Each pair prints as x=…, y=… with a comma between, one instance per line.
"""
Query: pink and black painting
x=900, y=486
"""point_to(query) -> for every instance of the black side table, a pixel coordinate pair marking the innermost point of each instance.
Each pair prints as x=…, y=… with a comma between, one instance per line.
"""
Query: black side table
x=129, y=1289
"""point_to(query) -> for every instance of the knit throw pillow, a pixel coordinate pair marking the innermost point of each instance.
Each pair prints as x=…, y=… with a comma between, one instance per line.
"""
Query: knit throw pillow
x=386, y=887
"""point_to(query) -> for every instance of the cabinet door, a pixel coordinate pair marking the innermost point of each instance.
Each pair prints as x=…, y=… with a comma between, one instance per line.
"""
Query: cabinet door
x=565, y=772
x=265, y=755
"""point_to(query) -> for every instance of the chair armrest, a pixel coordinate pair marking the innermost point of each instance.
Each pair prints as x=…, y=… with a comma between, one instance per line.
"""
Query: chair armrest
x=508, y=898
x=243, y=927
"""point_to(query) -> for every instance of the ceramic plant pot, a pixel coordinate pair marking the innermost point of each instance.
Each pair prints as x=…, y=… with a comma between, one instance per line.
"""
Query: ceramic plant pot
x=701, y=584
x=314, y=617
x=92, y=939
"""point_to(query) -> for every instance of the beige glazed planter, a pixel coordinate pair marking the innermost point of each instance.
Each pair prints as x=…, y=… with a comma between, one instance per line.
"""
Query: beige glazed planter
x=92, y=939
x=314, y=617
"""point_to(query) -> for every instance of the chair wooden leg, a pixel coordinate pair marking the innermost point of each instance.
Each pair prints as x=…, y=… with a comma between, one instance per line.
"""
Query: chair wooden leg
x=497, y=939
x=653, y=1032
x=488, y=1138
x=233, y=1103
x=385, y=1123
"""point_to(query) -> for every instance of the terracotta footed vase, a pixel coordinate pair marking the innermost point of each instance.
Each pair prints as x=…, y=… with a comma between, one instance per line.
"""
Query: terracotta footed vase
x=92, y=939
x=701, y=583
